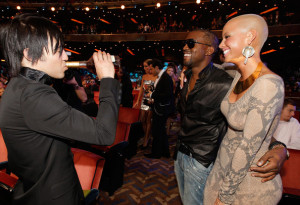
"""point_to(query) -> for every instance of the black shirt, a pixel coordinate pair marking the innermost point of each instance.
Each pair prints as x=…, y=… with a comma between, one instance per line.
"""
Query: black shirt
x=203, y=124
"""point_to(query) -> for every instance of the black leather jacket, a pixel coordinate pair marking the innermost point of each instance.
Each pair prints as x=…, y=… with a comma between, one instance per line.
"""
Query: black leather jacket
x=203, y=125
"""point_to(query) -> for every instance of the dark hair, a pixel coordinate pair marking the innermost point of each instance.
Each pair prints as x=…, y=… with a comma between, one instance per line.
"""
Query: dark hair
x=210, y=38
x=32, y=32
x=155, y=62
x=172, y=65
x=288, y=101
x=147, y=61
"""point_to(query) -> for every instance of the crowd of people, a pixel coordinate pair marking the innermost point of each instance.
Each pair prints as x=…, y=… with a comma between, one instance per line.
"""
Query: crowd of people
x=228, y=117
x=166, y=24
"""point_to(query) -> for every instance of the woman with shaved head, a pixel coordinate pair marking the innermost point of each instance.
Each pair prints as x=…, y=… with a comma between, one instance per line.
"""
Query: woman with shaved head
x=252, y=107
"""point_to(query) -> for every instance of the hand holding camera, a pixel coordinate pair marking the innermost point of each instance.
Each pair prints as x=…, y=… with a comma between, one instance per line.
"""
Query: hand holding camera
x=104, y=65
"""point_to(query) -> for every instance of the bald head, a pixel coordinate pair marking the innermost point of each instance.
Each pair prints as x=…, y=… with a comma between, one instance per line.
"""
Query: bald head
x=255, y=22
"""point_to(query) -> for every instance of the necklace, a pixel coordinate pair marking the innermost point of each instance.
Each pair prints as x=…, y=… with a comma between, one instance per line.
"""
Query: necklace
x=241, y=86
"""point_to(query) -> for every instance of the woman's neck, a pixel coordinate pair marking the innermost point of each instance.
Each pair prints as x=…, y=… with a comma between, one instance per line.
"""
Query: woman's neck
x=248, y=69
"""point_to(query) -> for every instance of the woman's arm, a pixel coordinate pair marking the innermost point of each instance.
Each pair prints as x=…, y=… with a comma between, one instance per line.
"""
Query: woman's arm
x=141, y=92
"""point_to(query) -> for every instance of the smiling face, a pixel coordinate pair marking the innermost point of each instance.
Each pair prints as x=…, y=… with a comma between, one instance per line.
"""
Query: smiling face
x=233, y=41
x=194, y=56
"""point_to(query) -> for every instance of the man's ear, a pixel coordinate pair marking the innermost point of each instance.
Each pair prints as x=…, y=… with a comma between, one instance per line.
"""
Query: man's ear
x=209, y=51
x=25, y=54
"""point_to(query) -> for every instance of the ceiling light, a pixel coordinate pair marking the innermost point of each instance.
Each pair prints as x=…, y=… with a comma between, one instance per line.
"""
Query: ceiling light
x=52, y=8
x=198, y=1
x=123, y=7
x=158, y=5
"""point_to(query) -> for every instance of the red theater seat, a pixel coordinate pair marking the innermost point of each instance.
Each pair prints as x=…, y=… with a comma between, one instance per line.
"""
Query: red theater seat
x=7, y=180
x=89, y=168
x=96, y=97
x=128, y=115
x=290, y=173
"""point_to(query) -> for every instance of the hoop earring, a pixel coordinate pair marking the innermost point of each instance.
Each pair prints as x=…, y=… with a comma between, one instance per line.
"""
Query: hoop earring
x=248, y=52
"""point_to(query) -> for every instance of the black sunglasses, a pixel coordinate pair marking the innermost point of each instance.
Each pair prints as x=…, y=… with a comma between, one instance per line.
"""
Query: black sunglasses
x=191, y=43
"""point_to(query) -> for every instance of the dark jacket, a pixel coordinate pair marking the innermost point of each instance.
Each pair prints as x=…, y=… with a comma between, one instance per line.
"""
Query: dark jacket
x=203, y=125
x=36, y=123
x=163, y=95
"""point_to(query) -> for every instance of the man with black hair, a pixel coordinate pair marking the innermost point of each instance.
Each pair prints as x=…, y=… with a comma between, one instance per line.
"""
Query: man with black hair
x=288, y=130
x=37, y=124
x=163, y=106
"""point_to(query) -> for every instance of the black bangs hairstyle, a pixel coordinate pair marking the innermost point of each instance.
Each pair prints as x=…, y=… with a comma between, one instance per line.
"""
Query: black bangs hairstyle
x=32, y=32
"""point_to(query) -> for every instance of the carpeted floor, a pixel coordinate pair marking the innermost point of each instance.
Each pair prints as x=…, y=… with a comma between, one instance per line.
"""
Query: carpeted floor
x=153, y=182
x=147, y=181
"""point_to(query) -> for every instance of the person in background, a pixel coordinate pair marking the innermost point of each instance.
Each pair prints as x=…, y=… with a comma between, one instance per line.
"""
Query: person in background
x=171, y=70
x=70, y=89
x=147, y=85
x=162, y=99
x=126, y=88
x=37, y=125
x=288, y=130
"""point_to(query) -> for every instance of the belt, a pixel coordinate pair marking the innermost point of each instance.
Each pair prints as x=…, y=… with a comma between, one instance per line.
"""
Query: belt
x=185, y=150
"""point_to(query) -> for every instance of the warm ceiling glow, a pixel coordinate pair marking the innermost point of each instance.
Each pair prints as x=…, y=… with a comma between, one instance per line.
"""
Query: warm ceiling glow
x=18, y=7
x=269, y=51
x=133, y=20
x=158, y=5
x=87, y=8
x=269, y=10
x=232, y=14
x=104, y=21
x=72, y=51
x=52, y=8
x=77, y=21
x=123, y=7
x=198, y=1
x=129, y=51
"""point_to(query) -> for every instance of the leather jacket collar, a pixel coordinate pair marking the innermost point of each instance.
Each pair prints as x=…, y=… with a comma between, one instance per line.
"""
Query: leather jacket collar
x=202, y=75
x=36, y=75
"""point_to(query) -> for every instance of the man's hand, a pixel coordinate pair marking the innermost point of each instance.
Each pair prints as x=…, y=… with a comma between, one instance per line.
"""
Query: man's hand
x=104, y=66
x=218, y=202
x=270, y=164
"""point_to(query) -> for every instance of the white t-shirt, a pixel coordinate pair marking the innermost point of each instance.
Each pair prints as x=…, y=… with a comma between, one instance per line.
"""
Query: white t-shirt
x=289, y=133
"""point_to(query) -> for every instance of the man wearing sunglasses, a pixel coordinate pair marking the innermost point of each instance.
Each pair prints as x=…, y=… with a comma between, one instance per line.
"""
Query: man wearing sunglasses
x=203, y=125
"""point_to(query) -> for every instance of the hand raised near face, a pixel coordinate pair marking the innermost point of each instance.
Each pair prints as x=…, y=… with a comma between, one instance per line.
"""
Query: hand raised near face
x=103, y=64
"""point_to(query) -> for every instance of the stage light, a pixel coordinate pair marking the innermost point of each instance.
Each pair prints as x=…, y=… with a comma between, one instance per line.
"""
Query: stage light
x=158, y=5
x=19, y=7
x=87, y=8
x=52, y=8
x=198, y=1
x=122, y=6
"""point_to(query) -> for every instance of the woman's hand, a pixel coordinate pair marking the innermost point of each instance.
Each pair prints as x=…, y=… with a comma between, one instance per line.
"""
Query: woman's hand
x=104, y=66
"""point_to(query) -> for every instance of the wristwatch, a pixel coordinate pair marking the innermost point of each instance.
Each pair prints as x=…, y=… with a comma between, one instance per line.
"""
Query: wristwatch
x=279, y=144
